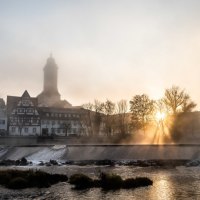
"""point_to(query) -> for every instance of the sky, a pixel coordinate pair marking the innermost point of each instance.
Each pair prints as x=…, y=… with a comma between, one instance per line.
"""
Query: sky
x=105, y=49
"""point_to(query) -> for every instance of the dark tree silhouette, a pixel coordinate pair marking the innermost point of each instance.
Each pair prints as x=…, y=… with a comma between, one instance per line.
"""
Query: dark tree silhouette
x=179, y=104
x=142, y=109
x=177, y=100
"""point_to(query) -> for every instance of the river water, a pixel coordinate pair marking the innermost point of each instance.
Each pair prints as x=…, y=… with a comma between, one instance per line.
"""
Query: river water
x=168, y=183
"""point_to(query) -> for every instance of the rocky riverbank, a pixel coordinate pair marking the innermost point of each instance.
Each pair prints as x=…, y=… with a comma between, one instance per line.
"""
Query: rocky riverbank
x=106, y=162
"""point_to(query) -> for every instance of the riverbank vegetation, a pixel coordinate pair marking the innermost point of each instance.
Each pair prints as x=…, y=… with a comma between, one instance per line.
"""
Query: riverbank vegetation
x=17, y=179
x=108, y=182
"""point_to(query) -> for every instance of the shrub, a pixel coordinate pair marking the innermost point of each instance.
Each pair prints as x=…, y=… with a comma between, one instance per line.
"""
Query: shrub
x=137, y=182
x=31, y=178
x=18, y=183
x=129, y=183
x=143, y=181
x=4, y=178
x=81, y=181
x=110, y=181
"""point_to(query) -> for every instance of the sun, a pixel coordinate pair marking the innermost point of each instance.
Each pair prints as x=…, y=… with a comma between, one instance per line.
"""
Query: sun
x=160, y=116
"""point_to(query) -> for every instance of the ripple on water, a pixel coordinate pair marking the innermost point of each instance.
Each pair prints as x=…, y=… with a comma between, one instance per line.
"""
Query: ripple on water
x=171, y=183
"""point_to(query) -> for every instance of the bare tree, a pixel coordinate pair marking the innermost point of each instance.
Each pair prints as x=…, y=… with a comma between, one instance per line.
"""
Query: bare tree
x=142, y=109
x=177, y=100
x=98, y=106
x=122, y=109
x=160, y=114
x=98, y=109
x=94, y=119
x=108, y=107
x=88, y=106
x=87, y=118
x=108, y=110
x=188, y=105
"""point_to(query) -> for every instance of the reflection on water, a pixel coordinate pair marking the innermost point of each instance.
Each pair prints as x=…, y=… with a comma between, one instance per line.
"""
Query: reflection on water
x=173, y=183
x=170, y=183
x=163, y=189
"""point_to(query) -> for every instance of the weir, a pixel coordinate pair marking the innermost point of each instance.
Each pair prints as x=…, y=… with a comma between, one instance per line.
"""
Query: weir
x=101, y=152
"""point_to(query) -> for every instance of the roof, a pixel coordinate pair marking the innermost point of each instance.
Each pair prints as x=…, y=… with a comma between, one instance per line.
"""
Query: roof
x=12, y=101
x=59, y=110
x=26, y=94
x=2, y=103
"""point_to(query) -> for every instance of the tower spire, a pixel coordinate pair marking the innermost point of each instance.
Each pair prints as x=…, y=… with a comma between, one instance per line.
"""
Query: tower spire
x=50, y=94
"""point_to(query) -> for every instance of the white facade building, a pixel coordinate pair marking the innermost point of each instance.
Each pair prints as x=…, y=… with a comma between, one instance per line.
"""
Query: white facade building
x=23, y=117
x=61, y=121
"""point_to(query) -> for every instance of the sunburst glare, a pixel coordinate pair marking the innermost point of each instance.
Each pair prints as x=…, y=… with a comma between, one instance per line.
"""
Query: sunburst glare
x=160, y=116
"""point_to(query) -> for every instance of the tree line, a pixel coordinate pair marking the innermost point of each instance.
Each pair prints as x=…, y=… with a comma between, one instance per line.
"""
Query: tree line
x=137, y=114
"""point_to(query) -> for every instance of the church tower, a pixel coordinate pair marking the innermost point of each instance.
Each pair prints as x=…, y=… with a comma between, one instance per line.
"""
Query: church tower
x=50, y=95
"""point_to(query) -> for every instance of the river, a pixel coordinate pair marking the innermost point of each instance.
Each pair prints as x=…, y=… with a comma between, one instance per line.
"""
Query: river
x=168, y=183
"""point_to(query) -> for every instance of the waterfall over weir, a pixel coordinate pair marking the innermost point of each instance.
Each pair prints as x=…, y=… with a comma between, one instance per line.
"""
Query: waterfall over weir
x=100, y=152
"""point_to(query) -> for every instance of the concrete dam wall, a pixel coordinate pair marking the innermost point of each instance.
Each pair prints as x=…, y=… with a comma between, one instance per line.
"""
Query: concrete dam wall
x=101, y=152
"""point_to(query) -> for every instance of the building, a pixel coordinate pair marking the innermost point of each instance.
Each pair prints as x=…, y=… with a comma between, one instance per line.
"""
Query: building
x=50, y=97
x=47, y=114
x=26, y=118
x=3, y=117
x=23, y=116
x=62, y=121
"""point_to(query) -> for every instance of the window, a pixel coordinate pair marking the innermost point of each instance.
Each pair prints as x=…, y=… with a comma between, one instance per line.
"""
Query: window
x=20, y=120
x=29, y=110
x=20, y=110
x=2, y=121
x=60, y=115
x=13, y=129
x=34, y=130
x=35, y=121
x=47, y=114
x=25, y=103
x=26, y=130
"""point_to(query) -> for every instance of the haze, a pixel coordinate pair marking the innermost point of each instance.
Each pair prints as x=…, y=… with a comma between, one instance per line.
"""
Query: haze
x=104, y=49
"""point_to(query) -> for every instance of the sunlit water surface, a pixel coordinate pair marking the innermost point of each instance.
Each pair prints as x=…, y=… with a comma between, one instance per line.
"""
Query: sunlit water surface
x=169, y=183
